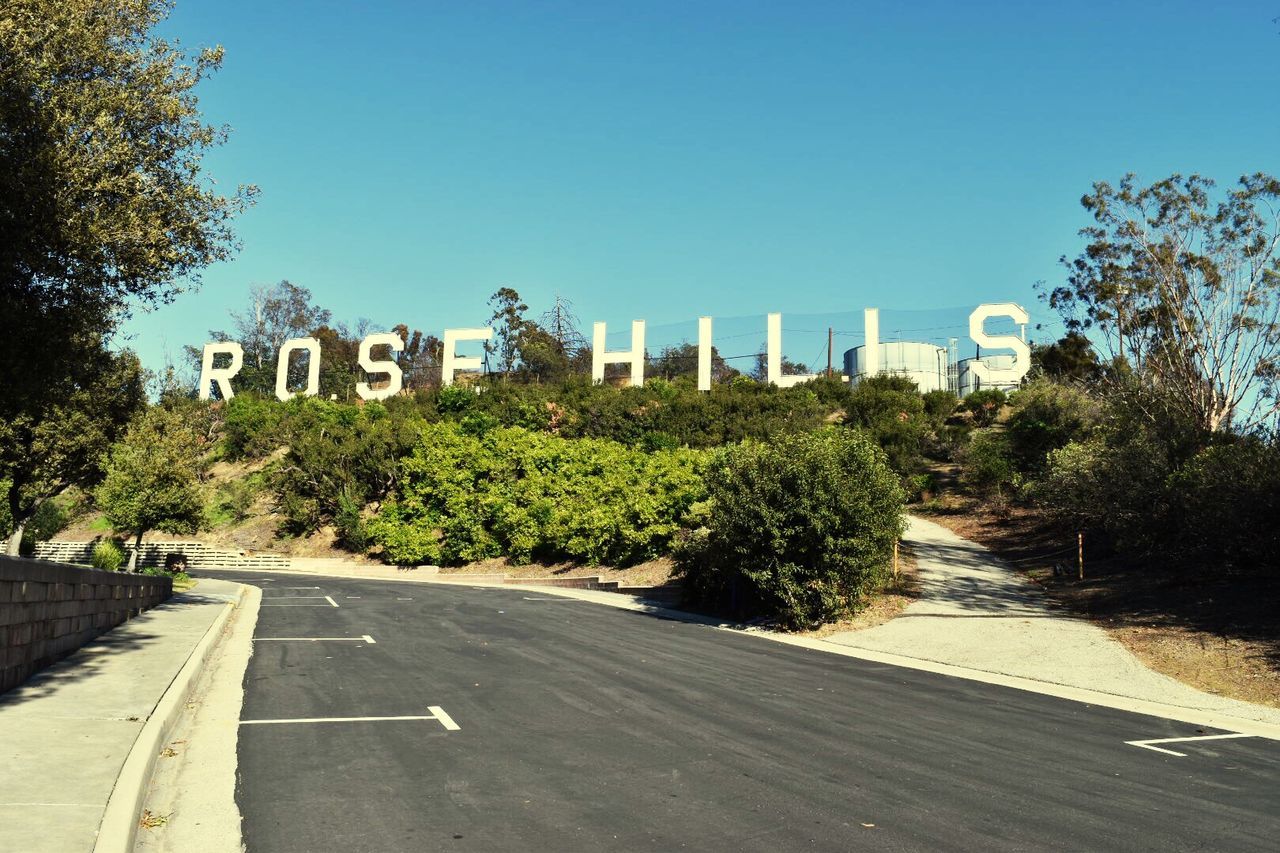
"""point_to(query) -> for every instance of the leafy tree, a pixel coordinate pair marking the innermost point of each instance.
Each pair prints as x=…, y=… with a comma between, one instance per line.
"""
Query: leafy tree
x=1070, y=357
x=152, y=480
x=760, y=372
x=1185, y=288
x=101, y=144
x=104, y=208
x=58, y=438
x=274, y=315
x=508, y=322
x=340, y=358
x=542, y=355
x=682, y=360
x=420, y=360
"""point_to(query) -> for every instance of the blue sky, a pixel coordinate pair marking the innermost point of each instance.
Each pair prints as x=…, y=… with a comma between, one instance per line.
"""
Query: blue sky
x=663, y=161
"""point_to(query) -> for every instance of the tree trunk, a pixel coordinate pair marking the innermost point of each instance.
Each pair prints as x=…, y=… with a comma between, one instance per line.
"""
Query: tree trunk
x=15, y=539
x=133, y=556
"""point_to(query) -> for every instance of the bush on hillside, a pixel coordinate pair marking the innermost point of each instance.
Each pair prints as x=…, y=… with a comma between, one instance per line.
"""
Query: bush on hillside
x=799, y=530
x=107, y=555
x=1224, y=505
x=984, y=405
x=251, y=426
x=339, y=456
x=507, y=491
x=891, y=411
x=938, y=406
x=660, y=414
x=1045, y=416
x=988, y=466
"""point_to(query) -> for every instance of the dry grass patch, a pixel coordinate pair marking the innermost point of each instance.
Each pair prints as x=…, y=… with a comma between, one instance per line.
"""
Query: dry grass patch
x=651, y=573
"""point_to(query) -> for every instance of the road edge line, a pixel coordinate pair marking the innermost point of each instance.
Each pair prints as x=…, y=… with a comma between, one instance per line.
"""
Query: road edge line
x=118, y=829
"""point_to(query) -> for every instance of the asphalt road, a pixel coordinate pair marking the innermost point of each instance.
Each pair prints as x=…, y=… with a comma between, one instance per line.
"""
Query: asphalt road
x=582, y=727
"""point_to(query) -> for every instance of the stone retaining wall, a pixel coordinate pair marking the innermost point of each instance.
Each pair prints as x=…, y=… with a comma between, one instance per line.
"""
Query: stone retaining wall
x=48, y=610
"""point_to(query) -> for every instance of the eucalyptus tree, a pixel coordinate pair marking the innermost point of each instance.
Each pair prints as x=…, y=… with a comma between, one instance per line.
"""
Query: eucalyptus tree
x=1181, y=286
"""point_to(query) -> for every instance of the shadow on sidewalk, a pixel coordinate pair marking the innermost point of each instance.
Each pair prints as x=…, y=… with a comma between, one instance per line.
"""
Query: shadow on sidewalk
x=88, y=661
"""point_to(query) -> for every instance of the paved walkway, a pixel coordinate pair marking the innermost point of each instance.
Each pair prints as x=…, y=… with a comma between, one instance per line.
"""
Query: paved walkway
x=977, y=613
x=66, y=732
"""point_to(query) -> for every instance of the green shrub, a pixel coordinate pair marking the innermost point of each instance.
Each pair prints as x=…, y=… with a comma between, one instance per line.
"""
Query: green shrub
x=251, y=426
x=340, y=452
x=1224, y=505
x=917, y=486
x=891, y=411
x=510, y=492
x=233, y=502
x=162, y=572
x=349, y=522
x=800, y=530
x=1104, y=484
x=985, y=405
x=1044, y=417
x=107, y=555
x=938, y=406
x=988, y=467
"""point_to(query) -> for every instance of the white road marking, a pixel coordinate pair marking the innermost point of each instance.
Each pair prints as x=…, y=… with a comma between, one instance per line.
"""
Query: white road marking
x=331, y=601
x=296, y=605
x=527, y=598
x=404, y=599
x=353, y=596
x=297, y=587
x=444, y=719
x=1147, y=744
x=437, y=713
x=292, y=597
x=365, y=638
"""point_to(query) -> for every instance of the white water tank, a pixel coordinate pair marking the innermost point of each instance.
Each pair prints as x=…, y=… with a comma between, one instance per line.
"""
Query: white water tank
x=968, y=382
x=922, y=363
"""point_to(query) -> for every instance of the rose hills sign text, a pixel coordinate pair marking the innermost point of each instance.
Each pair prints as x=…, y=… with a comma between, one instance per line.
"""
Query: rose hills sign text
x=453, y=363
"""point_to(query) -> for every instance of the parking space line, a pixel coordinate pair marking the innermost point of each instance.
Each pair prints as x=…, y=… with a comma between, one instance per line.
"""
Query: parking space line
x=295, y=605
x=364, y=638
x=1147, y=744
x=437, y=713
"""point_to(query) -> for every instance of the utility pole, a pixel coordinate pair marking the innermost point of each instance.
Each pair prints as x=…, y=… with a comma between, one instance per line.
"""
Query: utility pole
x=830, y=335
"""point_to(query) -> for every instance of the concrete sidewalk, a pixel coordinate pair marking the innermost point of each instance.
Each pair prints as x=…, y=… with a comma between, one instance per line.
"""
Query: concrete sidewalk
x=66, y=732
x=978, y=614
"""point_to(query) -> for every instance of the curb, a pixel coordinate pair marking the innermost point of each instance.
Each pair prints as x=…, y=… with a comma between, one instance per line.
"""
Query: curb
x=118, y=829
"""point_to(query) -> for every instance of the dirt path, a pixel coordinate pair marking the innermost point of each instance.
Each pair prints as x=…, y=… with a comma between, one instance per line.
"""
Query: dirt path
x=977, y=613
